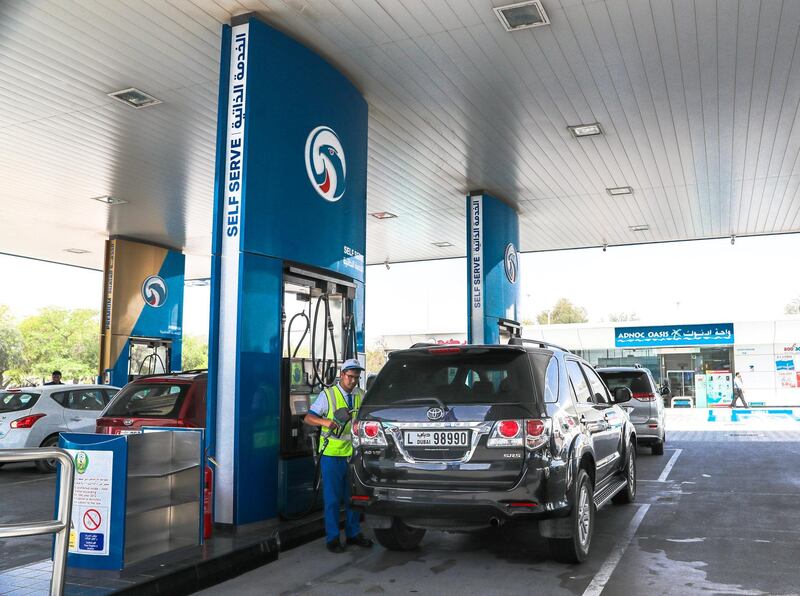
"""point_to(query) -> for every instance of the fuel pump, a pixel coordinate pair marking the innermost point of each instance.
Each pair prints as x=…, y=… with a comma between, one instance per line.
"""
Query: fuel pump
x=319, y=332
x=508, y=329
x=148, y=356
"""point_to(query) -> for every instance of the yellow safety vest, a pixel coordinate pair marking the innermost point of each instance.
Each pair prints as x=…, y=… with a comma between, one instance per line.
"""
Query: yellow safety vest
x=340, y=446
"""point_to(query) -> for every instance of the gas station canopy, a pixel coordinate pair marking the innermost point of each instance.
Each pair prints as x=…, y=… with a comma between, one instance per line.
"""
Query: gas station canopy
x=695, y=102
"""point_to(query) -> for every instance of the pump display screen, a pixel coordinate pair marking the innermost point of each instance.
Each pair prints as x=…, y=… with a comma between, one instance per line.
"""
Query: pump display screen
x=299, y=404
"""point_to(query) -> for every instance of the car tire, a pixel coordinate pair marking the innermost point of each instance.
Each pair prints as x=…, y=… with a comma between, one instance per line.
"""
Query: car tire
x=48, y=466
x=399, y=536
x=657, y=448
x=628, y=494
x=576, y=548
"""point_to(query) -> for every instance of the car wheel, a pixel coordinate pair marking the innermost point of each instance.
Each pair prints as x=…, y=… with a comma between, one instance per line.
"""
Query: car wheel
x=628, y=494
x=657, y=448
x=576, y=548
x=399, y=536
x=48, y=466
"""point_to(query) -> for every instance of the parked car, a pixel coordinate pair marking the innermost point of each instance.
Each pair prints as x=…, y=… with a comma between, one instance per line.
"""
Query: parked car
x=177, y=399
x=488, y=435
x=646, y=409
x=33, y=416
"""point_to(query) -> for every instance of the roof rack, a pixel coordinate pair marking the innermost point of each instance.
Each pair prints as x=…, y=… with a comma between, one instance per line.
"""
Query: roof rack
x=519, y=341
x=423, y=344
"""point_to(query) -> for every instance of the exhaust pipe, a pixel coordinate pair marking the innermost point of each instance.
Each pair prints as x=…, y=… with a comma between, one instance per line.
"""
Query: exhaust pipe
x=495, y=522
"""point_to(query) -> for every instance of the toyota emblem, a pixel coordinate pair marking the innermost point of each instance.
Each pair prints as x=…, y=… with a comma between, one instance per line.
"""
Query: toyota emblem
x=127, y=422
x=435, y=413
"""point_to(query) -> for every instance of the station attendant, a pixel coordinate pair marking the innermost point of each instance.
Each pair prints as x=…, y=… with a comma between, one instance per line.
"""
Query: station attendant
x=334, y=458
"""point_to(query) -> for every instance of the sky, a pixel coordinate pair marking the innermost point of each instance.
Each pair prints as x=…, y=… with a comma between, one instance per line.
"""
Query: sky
x=699, y=281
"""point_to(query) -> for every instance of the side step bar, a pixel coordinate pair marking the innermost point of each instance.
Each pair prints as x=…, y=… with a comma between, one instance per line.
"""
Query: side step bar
x=604, y=495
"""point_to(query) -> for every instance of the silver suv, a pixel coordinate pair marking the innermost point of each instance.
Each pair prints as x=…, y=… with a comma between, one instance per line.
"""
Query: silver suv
x=33, y=416
x=646, y=409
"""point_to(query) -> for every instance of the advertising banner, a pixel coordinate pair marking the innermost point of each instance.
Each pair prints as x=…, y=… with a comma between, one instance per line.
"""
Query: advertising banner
x=707, y=334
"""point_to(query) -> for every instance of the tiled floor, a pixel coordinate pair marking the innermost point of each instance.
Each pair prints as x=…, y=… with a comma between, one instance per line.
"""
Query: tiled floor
x=251, y=545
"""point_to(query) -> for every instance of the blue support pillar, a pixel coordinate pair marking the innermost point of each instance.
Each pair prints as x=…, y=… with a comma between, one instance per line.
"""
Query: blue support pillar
x=492, y=267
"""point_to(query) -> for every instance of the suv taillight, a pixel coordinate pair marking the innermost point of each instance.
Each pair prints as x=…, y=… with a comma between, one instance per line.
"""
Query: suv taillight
x=26, y=421
x=532, y=433
x=644, y=396
x=368, y=433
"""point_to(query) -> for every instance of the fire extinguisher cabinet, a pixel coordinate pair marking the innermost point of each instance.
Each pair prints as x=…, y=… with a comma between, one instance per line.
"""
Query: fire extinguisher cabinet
x=136, y=496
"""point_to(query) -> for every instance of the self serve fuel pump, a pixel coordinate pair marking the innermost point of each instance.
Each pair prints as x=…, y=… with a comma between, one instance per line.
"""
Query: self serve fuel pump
x=318, y=334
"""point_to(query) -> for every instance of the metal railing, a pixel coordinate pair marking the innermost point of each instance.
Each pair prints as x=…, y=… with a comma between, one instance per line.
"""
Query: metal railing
x=60, y=526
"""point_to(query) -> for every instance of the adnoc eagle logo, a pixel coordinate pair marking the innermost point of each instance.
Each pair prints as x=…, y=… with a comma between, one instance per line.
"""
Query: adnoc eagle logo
x=154, y=291
x=326, y=164
x=511, y=263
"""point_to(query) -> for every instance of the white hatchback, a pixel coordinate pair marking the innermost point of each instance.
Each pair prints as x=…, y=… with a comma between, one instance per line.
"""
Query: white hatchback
x=33, y=416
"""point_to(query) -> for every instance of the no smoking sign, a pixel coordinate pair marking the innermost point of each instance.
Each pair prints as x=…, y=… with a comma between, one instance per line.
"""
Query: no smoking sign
x=92, y=519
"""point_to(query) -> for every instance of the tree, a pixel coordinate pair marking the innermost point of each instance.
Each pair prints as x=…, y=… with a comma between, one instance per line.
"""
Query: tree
x=61, y=339
x=562, y=312
x=194, y=353
x=10, y=345
x=619, y=317
x=793, y=308
x=376, y=356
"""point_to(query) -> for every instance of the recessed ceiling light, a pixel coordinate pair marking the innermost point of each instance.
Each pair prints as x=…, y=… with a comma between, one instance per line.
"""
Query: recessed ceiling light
x=197, y=283
x=134, y=98
x=619, y=190
x=442, y=244
x=109, y=200
x=639, y=228
x=76, y=251
x=585, y=130
x=522, y=15
x=383, y=215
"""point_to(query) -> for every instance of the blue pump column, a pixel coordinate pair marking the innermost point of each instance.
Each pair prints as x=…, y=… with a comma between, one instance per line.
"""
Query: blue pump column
x=290, y=189
x=492, y=267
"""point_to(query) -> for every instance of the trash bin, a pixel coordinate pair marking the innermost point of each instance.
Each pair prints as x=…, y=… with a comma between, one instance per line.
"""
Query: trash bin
x=135, y=496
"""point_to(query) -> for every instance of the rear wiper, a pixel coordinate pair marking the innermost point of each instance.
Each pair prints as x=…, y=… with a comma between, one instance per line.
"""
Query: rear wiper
x=412, y=400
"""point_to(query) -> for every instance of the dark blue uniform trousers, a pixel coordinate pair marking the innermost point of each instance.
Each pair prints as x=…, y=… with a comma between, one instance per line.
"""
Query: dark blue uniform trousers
x=335, y=491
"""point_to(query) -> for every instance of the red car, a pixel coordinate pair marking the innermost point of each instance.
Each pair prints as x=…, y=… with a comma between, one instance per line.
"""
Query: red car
x=177, y=399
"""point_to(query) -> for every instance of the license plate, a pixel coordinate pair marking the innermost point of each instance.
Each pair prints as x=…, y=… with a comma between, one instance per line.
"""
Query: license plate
x=130, y=432
x=437, y=438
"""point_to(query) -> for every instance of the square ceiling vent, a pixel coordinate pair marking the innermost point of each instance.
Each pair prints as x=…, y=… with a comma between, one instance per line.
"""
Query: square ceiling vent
x=522, y=15
x=135, y=98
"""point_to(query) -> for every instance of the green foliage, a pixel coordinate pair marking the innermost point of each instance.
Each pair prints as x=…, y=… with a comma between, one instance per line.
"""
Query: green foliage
x=10, y=345
x=194, y=353
x=61, y=339
x=618, y=317
x=562, y=312
x=793, y=308
x=376, y=356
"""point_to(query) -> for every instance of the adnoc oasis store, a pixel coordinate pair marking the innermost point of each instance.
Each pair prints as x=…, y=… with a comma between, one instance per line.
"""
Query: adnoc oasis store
x=696, y=360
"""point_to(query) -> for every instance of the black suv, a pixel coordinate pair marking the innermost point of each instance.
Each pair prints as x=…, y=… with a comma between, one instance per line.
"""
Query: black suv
x=460, y=438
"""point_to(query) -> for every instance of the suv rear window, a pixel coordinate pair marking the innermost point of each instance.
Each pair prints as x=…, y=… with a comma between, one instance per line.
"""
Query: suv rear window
x=156, y=400
x=493, y=376
x=14, y=401
x=636, y=381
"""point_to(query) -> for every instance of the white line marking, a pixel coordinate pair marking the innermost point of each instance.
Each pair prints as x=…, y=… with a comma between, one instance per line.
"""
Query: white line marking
x=670, y=463
x=28, y=481
x=601, y=578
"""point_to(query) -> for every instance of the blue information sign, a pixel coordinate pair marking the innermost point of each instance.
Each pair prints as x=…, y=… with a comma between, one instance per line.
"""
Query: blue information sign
x=707, y=334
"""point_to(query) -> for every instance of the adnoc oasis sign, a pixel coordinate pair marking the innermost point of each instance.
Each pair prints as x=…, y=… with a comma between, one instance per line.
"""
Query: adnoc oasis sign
x=707, y=334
